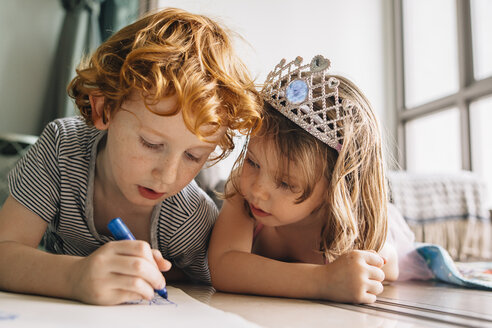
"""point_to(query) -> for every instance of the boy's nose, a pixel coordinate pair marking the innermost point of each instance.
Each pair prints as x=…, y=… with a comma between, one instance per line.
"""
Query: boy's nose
x=166, y=171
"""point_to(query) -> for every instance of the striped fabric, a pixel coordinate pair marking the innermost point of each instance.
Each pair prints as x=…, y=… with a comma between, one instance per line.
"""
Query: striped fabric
x=55, y=180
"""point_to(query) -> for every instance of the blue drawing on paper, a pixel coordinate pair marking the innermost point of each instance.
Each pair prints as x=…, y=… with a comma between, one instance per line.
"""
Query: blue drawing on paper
x=7, y=316
x=157, y=300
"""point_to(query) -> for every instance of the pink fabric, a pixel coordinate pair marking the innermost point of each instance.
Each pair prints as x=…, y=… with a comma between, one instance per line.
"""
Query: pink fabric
x=411, y=265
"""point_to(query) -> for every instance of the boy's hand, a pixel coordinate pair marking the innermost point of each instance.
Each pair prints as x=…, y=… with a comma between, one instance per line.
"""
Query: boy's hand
x=354, y=277
x=119, y=272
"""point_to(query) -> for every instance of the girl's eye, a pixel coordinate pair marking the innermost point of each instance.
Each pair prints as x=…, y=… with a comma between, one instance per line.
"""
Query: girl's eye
x=191, y=157
x=149, y=145
x=284, y=185
x=251, y=163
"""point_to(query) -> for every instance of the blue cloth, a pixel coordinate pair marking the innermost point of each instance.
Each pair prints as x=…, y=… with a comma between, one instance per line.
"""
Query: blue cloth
x=444, y=268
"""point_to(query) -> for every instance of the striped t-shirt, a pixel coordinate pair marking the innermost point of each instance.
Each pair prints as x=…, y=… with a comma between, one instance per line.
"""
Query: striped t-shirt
x=55, y=180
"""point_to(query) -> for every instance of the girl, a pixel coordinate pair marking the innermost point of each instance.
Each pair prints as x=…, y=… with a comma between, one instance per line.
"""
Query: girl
x=156, y=99
x=305, y=210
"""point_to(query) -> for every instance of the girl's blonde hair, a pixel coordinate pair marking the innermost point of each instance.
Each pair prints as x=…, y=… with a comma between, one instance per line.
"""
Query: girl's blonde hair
x=355, y=203
x=173, y=52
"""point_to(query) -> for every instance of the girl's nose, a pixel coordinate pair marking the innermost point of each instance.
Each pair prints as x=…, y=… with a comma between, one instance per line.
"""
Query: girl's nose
x=260, y=188
x=166, y=170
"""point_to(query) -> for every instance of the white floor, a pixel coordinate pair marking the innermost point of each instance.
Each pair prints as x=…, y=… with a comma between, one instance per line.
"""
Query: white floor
x=402, y=304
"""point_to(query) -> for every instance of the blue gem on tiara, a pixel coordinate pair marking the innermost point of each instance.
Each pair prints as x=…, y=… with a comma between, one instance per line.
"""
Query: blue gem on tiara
x=297, y=91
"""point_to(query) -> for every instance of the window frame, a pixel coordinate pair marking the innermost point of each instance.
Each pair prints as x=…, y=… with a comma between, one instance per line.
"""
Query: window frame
x=469, y=89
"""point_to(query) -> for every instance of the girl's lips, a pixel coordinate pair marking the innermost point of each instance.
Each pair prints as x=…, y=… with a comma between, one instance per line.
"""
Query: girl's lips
x=257, y=212
x=149, y=193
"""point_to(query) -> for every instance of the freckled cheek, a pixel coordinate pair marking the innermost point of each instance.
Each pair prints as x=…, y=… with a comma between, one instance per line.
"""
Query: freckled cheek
x=137, y=163
x=184, y=176
x=245, y=181
x=189, y=174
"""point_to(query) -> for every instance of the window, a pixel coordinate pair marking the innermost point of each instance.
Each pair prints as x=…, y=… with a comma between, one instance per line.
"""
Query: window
x=444, y=82
x=481, y=14
x=433, y=142
x=481, y=138
x=430, y=59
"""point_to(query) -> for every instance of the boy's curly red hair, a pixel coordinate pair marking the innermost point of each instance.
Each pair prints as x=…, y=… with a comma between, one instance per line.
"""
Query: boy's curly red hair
x=173, y=52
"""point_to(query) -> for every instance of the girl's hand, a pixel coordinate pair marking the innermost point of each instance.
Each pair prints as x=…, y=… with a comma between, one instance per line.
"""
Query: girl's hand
x=355, y=277
x=119, y=272
x=390, y=267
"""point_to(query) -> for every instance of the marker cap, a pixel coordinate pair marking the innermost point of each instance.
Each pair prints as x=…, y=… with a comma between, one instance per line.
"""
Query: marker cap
x=119, y=230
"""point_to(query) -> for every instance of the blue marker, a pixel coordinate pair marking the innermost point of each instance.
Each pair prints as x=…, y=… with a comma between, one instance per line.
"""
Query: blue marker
x=121, y=232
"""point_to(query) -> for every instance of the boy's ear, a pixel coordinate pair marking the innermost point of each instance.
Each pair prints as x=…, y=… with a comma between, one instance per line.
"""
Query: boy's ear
x=99, y=118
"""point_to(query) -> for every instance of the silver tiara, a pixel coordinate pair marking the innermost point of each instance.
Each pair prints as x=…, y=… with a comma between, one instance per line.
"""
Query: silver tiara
x=289, y=89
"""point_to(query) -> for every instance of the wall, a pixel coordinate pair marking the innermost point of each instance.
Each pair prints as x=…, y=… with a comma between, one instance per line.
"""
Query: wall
x=28, y=33
x=348, y=32
x=354, y=34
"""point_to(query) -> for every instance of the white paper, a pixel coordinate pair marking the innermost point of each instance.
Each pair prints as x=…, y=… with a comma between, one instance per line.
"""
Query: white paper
x=18, y=310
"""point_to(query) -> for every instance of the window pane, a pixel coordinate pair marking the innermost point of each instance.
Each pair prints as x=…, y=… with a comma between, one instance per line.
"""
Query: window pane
x=481, y=12
x=433, y=143
x=481, y=136
x=430, y=50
